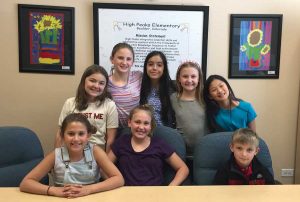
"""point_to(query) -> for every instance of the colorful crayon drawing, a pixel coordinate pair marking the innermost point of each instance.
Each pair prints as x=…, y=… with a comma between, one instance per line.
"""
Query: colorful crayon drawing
x=255, y=45
x=46, y=38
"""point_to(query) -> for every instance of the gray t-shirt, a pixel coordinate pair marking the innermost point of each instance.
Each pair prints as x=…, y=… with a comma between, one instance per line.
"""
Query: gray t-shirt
x=190, y=120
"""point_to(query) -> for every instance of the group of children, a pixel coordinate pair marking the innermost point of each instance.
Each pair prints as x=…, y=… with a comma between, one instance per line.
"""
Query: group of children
x=104, y=106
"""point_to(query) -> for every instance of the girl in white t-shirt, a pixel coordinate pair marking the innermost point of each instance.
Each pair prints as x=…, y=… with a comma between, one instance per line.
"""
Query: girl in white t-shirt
x=94, y=101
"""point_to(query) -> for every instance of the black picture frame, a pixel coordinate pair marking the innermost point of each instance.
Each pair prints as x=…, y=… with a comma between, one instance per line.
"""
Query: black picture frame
x=139, y=13
x=255, y=42
x=46, y=39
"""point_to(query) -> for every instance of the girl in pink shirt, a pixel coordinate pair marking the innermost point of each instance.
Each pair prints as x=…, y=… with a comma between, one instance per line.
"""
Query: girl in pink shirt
x=124, y=85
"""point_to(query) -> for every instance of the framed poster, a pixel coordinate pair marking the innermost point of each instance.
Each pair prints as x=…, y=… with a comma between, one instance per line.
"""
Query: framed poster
x=180, y=32
x=46, y=39
x=255, y=42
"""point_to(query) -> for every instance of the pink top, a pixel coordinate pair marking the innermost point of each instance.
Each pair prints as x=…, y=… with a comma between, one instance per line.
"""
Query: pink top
x=126, y=97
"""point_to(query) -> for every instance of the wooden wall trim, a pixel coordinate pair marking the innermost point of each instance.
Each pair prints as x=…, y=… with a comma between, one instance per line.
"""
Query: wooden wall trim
x=297, y=156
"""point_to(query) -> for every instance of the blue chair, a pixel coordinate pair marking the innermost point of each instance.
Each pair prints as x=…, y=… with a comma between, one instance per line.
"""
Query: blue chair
x=175, y=140
x=212, y=151
x=20, y=151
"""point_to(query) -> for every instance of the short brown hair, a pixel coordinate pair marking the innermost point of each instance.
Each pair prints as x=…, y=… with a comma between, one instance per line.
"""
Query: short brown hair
x=245, y=136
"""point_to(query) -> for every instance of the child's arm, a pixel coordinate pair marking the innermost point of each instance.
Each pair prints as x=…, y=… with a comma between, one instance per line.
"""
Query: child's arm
x=58, y=139
x=180, y=167
x=251, y=116
x=114, y=177
x=31, y=183
x=252, y=125
x=221, y=177
x=110, y=137
x=269, y=178
x=112, y=157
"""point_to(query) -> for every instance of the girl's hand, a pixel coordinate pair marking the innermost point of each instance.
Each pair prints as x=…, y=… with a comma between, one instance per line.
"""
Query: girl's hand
x=75, y=190
x=57, y=191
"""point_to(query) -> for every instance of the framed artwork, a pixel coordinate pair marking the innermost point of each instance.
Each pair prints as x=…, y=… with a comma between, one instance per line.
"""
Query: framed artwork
x=255, y=42
x=180, y=32
x=46, y=39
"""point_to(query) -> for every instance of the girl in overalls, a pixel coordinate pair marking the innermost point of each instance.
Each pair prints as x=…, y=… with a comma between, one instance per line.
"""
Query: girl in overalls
x=76, y=165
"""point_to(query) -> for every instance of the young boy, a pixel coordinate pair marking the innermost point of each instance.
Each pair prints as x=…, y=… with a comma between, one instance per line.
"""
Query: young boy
x=243, y=168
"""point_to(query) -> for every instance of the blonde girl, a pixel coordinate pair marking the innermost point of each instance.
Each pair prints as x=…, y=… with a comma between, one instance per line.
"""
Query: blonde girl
x=188, y=104
x=141, y=157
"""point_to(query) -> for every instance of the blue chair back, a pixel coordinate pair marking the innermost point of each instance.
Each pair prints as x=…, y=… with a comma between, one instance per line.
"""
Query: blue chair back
x=212, y=151
x=20, y=152
x=175, y=140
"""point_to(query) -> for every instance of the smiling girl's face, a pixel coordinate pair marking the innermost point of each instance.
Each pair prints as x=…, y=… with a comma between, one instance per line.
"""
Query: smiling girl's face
x=140, y=124
x=155, y=68
x=189, y=78
x=218, y=91
x=122, y=60
x=94, y=85
x=76, y=137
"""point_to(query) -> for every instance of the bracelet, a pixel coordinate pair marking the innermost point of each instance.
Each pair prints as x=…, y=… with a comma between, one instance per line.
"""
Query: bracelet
x=48, y=190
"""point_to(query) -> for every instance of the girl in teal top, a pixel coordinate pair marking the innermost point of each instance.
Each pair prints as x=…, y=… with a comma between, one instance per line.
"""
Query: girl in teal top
x=224, y=111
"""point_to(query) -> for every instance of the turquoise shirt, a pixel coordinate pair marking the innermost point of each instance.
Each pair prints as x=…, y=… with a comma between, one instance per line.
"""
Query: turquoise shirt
x=238, y=117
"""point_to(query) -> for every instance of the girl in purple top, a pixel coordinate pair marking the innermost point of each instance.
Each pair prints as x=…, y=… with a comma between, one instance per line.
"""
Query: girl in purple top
x=140, y=157
x=124, y=85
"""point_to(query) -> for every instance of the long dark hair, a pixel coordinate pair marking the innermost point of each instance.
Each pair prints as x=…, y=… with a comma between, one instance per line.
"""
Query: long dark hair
x=81, y=99
x=212, y=107
x=166, y=87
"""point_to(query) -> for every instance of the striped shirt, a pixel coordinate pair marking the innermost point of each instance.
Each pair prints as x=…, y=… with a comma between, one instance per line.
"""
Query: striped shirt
x=126, y=97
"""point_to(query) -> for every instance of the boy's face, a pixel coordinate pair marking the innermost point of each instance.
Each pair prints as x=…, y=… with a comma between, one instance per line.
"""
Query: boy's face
x=243, y=153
